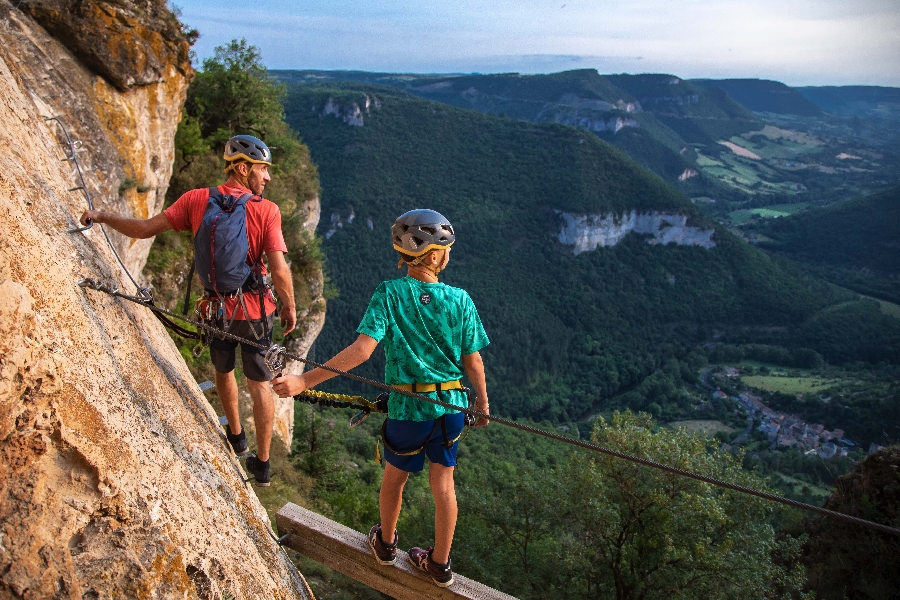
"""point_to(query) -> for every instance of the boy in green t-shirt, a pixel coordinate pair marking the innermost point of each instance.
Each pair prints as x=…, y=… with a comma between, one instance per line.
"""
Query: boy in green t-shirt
x=432, y=334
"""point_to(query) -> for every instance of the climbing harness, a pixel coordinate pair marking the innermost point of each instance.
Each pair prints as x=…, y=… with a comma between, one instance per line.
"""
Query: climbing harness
x=447, y=443
x=468, y=422
x=282, y=353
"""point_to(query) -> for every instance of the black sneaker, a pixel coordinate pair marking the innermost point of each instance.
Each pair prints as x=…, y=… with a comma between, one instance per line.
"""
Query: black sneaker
x=238, y=442
x=440, y=574
x=385, y=554
x=259, y=469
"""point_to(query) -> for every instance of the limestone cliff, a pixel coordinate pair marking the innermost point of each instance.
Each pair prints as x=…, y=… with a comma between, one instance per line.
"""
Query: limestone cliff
x=114, y=480
x=588, y=232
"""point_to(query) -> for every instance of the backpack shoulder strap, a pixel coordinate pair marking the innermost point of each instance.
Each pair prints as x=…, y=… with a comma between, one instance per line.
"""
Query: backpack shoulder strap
x=245, y=198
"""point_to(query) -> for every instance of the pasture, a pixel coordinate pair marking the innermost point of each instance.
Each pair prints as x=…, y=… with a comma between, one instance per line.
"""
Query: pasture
x=787, y=385
x=707, y=427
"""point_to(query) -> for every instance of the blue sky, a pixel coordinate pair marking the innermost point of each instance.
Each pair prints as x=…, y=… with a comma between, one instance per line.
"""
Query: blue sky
x=798, y=42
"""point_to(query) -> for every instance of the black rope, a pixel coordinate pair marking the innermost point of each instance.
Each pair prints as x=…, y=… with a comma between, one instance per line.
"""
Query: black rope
x=187, y=294
x=91, y=283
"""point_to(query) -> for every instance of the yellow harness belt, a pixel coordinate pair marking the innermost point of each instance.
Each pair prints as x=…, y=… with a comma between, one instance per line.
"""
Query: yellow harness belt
x=421, y=388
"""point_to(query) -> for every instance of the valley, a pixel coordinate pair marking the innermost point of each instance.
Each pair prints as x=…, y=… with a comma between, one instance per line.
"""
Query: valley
x=623, y=302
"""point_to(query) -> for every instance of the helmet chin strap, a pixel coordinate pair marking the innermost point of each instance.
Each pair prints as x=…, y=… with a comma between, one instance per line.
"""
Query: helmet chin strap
x=434, y=271
x=233, y=170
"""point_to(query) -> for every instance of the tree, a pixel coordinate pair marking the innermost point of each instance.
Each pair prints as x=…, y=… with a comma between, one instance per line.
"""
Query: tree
x=234, y=93
x=636, y=532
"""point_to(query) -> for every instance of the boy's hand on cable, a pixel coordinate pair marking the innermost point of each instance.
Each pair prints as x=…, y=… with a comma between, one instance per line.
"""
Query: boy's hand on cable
x=289, y=385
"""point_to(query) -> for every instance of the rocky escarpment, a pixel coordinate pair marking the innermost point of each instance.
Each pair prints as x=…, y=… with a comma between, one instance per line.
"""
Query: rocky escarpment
x=117, y=73
x=588, y=232
x=114, y=480
x=351, y=113
x=845, y=560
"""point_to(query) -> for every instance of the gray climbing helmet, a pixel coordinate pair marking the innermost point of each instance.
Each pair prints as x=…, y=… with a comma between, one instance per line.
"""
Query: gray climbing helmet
x=248, y=148
x=421, y=230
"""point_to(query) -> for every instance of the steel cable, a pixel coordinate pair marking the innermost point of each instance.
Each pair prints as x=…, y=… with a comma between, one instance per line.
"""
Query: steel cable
x=144, y=292
x=93, y=284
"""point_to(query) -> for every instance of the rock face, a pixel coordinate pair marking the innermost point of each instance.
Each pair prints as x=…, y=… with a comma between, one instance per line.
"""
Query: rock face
x=122, y=114
x=115, y=481
x=352, y=113
x=128, y=43
x=588, y=232
x=614, y=124
x=845, y=560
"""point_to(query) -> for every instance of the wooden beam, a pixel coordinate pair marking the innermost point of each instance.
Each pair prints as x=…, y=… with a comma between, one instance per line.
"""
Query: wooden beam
x=347, y=551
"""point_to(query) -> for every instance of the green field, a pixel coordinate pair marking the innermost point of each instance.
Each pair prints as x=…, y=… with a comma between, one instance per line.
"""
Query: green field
x=796, y=487
x=706, y=427
x=889, y=308
x=739, y=217
x=787, y=385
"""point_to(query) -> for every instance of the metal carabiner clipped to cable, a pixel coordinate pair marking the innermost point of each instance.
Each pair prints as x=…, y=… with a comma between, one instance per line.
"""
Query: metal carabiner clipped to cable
x=359, y=417
x=274, y=359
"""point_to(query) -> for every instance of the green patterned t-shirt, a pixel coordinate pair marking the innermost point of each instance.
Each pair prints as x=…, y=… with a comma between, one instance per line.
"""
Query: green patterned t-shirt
x=427, y=328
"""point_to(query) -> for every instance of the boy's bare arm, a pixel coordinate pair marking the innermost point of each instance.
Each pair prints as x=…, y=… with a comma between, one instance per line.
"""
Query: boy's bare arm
x=474, y=367
x=349, y=358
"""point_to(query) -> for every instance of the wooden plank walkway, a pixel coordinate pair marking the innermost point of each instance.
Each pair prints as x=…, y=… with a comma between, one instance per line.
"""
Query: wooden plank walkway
x=347, y=551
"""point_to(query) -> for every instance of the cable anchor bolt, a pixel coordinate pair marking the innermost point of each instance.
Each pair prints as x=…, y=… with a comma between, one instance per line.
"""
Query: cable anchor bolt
x=281, y=541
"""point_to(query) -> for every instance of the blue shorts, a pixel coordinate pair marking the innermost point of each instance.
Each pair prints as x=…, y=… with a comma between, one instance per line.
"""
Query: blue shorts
x=407, y=436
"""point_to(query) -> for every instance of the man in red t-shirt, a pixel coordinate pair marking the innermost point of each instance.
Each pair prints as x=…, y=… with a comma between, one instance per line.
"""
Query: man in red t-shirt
x=248, y=160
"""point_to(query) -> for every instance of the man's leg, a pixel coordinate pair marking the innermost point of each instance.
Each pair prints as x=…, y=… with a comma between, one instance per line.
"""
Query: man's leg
x=226, y=388
x=445, y=511
x=263, y=415
x=390, y=499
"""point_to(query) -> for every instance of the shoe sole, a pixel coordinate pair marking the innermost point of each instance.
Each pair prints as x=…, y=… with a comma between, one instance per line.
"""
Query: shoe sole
x=378, y=560
x=266, y=484
x=241, y=454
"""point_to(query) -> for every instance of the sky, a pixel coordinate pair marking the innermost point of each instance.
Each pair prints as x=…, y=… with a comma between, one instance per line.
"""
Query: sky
x=797, y=42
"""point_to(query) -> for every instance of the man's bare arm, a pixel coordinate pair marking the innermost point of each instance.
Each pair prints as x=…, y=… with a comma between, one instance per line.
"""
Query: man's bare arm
x=134, y=228
x=284, y=287
x=474, y=368
x=349, y=358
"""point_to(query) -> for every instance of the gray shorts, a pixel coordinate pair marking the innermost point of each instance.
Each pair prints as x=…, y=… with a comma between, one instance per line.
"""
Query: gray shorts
x=223, y=355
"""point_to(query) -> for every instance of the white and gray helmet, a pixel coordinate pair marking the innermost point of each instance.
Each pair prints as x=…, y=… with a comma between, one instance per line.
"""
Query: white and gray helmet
x=421, y=230
x=249, y=148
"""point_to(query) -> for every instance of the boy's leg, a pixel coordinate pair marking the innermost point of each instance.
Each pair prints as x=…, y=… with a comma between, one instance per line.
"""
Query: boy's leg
x=390, y=499
x=445, y=511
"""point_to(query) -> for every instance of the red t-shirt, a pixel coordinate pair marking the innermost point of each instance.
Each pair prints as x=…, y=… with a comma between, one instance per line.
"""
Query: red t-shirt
x=263, y=235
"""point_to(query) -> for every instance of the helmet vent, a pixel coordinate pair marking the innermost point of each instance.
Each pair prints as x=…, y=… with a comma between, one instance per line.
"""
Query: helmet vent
x=429, y=230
